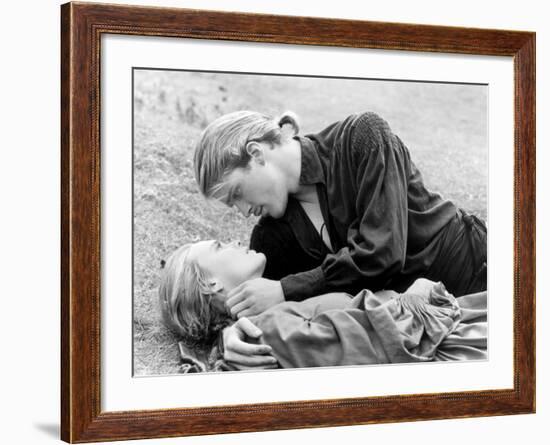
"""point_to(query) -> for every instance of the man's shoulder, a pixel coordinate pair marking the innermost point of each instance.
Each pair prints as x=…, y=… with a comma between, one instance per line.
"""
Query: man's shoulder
x=368, y=133
x=356, y=129
x=369, y=124
x=365, y=119
x=369, y=118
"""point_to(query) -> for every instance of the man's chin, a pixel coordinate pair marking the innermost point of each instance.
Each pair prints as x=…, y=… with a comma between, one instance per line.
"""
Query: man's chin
x=277, y=213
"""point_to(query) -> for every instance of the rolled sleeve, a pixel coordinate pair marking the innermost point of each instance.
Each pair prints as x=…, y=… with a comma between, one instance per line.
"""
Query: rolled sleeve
x=303, y=285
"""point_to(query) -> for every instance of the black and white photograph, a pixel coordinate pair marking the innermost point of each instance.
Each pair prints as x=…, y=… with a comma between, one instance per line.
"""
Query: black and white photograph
x=284, y=221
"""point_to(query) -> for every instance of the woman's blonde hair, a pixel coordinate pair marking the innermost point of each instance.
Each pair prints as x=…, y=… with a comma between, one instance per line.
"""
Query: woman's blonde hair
x=185, y=300
x=222, y=146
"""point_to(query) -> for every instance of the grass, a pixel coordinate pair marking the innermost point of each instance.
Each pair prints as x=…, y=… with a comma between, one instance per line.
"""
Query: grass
x=443, y=126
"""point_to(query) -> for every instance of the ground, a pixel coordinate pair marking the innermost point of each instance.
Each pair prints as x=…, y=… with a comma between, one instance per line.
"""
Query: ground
x=443, y=125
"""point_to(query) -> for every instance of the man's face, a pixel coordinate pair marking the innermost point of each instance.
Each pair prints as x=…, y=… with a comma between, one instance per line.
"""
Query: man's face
x=259, y=189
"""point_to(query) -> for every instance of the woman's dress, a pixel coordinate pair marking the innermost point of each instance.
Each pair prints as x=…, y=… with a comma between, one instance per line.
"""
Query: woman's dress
x=373, y=328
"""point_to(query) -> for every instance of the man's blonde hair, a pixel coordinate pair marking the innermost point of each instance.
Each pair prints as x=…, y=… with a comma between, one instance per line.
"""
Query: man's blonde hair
x=223, y=145
x=185, y=300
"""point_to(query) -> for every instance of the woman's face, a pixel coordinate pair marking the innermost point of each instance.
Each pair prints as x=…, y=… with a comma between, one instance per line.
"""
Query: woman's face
x=259, y=189
x=230, y=264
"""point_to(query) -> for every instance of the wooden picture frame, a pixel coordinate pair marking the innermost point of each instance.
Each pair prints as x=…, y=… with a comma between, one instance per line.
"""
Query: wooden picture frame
x=82, y=25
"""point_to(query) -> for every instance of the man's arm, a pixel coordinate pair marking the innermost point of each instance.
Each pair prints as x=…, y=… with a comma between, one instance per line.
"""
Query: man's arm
x=374, y=167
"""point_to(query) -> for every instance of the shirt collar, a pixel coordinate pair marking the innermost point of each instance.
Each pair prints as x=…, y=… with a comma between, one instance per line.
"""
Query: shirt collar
x=311, y=171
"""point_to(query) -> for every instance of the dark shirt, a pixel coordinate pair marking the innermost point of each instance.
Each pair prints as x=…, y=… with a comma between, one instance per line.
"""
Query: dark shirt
x=384, y=225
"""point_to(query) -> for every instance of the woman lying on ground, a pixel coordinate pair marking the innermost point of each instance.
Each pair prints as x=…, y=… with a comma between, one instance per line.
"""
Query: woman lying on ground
x=422, y=324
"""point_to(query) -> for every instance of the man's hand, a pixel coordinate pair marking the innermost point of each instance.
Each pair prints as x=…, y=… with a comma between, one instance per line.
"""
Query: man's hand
x=246, y=355
x=254, y=297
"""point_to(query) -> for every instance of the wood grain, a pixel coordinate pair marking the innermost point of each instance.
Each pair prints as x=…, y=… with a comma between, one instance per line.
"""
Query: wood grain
x=81, y=28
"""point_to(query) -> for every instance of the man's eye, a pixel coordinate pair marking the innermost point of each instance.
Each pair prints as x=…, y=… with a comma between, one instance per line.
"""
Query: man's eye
x=236, y=194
